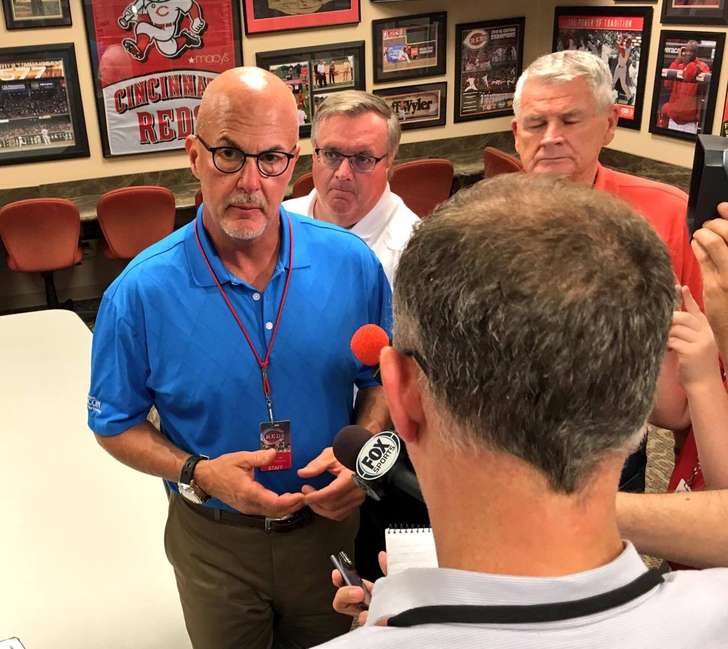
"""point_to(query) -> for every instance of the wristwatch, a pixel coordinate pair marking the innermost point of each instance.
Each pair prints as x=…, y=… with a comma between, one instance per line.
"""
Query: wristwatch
x=187, y=486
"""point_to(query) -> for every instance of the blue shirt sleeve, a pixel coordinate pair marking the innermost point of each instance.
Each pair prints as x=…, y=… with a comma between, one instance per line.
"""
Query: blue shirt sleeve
x=118, y=396
x=380, y=313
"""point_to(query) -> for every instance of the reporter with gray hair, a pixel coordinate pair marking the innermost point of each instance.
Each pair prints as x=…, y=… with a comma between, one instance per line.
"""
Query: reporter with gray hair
x=355, y=137
x=564, y=115
x=533, y=377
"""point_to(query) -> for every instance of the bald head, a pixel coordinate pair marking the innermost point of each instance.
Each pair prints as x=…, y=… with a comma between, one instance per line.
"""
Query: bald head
x=255, y=91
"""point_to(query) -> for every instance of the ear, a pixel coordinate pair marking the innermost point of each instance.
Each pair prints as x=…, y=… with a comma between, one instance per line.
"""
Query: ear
x=613, y=120
x=514, y=128
x=399, y=379
x=193, y=154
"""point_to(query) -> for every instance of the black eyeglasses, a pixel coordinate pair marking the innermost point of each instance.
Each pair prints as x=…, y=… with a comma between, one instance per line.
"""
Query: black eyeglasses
x=230, y=159
x=419, y=359
x=358, y=161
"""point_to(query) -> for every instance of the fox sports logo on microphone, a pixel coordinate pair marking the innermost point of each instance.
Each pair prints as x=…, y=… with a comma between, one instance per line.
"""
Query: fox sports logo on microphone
x=378, y=456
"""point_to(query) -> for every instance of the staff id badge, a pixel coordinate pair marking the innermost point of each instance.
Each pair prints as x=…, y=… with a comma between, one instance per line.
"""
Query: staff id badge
x=277, y=435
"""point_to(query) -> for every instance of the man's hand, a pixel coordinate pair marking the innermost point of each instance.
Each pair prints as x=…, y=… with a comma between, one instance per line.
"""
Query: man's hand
x=710, y=245
x=231, y=478
x=692, y=338
x=338, y=499
x=349, y=600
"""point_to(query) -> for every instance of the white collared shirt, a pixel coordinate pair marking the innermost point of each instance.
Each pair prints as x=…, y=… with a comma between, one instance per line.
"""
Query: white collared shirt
x=688, y=611
x=386, y=229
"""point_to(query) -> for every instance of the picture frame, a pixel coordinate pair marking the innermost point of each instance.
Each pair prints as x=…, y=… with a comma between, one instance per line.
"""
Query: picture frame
x=148, y=88
x=695, y=12
x=409, y=47
x=41, y=114
x=31, y=14
x=313, y=73
x=488, y=62
x=285, y=15
x=417, y=106
x=724, y=121
x=683, y=107
x=621, y=36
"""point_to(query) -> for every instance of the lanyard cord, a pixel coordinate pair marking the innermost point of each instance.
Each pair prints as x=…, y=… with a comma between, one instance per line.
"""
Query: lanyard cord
x=529, y=613
x=265, y=362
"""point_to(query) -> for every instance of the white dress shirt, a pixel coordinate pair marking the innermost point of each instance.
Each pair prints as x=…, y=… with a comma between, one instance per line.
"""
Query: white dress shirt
x=386, y=229
x=688, y=611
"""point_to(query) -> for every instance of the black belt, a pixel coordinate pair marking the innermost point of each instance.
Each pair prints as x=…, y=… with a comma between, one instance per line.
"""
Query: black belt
x=284, y=524
x=529, y=613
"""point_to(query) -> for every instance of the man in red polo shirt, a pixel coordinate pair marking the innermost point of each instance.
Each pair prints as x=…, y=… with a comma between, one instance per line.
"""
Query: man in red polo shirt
x=683, y=108
x=564, y=115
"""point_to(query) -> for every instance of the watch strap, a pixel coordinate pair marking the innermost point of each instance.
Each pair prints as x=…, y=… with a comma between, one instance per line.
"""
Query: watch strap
x=188, y=468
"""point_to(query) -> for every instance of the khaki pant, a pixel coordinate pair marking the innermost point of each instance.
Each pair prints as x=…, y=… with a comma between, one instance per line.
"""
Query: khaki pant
x=244, y=588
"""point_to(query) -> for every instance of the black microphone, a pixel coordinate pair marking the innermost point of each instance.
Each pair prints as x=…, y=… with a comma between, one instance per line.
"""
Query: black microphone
x=376, y=460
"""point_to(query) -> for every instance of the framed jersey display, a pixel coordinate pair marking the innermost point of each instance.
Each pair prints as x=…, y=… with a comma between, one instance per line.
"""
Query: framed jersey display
x=686, y=83
x=620, y=36
x=152, y=60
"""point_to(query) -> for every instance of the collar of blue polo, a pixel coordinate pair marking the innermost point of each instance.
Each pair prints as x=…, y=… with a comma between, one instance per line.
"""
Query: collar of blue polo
x=201, y=274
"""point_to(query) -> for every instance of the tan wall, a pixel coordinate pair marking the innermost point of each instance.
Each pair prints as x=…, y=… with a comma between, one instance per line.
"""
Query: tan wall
x=539, y=18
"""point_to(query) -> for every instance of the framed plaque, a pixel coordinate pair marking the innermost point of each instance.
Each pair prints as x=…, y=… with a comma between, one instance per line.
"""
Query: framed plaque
x=283, y=15
x=420, y=106
x=27, y=14
x=488, y=62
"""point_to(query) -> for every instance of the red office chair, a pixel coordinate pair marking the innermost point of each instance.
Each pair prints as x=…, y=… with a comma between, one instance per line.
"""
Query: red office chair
x=133, y=218
x=497, y=162
x=41, y=235
x=303, y=185
x=422, y=184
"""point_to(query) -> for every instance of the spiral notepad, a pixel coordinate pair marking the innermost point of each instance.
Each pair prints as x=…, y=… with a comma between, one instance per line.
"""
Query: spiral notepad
x=409, y=547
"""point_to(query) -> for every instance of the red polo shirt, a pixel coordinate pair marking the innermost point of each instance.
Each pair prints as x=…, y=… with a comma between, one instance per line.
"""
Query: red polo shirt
x=665, y=207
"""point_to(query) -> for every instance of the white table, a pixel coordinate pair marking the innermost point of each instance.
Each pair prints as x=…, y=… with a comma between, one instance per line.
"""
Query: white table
x=82, y=563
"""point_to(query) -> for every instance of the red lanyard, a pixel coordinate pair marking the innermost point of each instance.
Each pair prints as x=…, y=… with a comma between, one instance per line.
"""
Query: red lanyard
x=263, y=363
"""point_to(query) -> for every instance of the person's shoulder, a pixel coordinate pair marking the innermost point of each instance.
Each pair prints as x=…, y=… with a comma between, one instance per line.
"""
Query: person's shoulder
x=381, y=637
x=322, y=232
x=152, y=264
x=299, y=205
x=710, y=587
x=645, y=190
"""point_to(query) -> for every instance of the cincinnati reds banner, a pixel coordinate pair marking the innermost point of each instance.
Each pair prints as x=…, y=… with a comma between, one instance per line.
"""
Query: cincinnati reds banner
x=152, y=60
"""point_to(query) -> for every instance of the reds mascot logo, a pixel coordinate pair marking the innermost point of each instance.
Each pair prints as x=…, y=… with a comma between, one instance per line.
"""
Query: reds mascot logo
x=172, y=26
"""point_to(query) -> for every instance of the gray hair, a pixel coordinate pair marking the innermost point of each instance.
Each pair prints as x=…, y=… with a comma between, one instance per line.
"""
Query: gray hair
x=568, y=65
x=539, y=310
x=358, y=102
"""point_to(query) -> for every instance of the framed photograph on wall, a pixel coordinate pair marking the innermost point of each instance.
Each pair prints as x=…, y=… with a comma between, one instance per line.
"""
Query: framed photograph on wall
x=152, y=66
x=313, y=73
x=409, y=47
x=695, y=12
x=27, y=14
x=488, y=62
x=41, y=115
x=686, y=83
x=724, y=122
x=621, y=37
x=283, y=15
x=420, y=106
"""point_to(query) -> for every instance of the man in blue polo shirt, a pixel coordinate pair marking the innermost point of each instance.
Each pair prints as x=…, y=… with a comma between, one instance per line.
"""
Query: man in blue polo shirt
x=237, y=328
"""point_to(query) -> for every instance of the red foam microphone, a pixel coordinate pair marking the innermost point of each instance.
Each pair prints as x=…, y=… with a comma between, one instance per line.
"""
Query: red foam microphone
x=366, y=343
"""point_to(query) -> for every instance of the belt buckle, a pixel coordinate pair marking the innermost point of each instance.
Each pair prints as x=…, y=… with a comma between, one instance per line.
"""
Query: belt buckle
x=270, y=522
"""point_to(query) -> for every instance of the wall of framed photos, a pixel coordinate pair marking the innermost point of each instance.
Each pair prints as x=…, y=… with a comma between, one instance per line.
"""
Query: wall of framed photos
x=537, y=39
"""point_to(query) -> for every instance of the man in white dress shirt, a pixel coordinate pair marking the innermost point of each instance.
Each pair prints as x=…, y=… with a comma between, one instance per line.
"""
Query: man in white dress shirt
x=355, y=137
x=531, y=317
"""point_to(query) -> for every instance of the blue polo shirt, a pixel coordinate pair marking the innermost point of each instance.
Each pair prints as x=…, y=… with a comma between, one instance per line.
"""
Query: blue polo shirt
x=165, y=337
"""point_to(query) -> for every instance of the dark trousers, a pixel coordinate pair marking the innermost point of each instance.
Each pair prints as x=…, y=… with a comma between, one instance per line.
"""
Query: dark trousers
x=245, y=588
